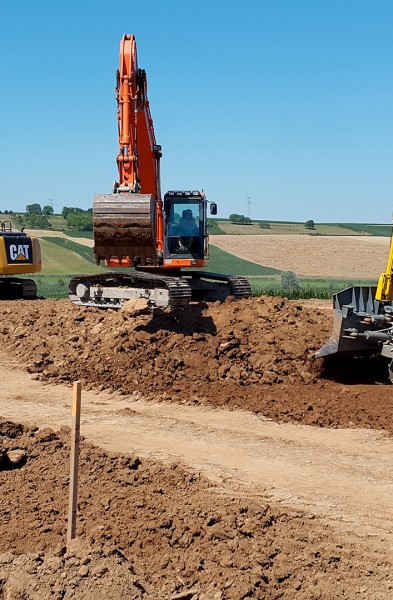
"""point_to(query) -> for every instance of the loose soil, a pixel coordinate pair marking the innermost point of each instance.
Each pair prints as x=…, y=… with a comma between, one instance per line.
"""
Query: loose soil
x=232, y=494
x=255, y=354
x=346, y=257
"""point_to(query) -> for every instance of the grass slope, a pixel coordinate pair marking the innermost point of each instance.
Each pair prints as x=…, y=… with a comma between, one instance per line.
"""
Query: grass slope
x=377, y=230
x=65, y=257
x=228, y=264
x=79, y=234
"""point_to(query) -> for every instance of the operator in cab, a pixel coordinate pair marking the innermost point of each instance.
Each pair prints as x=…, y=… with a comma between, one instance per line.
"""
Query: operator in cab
x=187, y=226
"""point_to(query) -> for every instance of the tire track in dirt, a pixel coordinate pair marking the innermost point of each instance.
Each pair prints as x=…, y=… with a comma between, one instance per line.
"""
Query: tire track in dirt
x=343, y=476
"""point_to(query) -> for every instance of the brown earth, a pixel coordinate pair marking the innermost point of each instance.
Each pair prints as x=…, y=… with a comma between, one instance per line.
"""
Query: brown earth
x=149, y=530
x=347, y=257
x=154, y=529
x=254, y=354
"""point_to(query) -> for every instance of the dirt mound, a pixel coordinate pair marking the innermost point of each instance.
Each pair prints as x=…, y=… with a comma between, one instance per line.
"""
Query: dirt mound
x=264, y=341
x=256, y=354
x=146, y=530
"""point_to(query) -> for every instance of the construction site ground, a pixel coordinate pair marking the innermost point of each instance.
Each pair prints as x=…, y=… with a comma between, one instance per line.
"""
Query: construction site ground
x=219, y=459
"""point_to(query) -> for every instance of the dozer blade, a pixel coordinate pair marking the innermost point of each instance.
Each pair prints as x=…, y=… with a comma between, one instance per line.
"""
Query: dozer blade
x=124, y=226
x=358, y=318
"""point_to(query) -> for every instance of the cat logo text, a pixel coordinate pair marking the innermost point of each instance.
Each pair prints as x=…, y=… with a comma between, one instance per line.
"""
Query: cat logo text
x=19, y=253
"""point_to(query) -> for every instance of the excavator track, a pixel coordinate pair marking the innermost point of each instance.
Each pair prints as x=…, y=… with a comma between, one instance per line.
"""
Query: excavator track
x=210, y=287
x=15, y=288
x=240, y=286
x=111, y=290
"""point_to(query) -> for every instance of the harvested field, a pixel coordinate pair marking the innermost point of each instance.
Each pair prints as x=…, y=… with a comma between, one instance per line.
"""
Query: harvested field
x=243, y=470
x=352, y=257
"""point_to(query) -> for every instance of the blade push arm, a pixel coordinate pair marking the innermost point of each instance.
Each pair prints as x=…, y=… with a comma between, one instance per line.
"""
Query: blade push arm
x=384, y=291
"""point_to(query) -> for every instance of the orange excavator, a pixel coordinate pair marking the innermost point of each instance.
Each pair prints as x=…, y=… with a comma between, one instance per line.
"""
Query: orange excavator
x=165, y=242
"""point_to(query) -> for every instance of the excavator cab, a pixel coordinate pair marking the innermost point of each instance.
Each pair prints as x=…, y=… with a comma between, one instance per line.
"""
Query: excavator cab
x=185, y=226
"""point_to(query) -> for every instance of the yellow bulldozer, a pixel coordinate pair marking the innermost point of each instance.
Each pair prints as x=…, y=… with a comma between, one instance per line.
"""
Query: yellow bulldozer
x=363, y=319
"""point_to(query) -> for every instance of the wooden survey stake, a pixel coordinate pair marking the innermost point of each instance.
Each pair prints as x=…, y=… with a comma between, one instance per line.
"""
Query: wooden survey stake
x=74, y=464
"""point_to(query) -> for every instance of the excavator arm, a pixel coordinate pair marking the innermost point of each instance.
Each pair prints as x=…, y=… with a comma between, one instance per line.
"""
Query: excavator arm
x=139, y=155
x=128, y=224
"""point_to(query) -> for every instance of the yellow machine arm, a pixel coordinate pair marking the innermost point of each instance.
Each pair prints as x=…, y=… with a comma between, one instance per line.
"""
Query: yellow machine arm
x=384, y=291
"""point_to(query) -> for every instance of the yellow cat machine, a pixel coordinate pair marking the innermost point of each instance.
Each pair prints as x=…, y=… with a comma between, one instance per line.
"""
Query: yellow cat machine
x=164, y=241
x=20, y=254
x=363, y=319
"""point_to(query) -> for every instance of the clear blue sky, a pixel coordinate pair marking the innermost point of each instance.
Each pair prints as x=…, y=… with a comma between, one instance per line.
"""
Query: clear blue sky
x=289, y=102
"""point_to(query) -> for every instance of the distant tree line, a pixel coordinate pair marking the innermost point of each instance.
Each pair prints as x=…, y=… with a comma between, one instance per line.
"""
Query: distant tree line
x=240, y=219
x=37, y=216
x=77, y=218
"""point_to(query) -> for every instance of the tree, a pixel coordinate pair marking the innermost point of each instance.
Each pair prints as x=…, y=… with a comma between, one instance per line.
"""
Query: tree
x=33, y=209
x=47, y=210
x=289, y=280
x=309, y=224
x=38, y=221
x=240, y=219
x=234, y=218
x=81, y=220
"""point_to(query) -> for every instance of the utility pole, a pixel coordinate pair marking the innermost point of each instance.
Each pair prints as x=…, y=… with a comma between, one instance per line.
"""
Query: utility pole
x=249, y=206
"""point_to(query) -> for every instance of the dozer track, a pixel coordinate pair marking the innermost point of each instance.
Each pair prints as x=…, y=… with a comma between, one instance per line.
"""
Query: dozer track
x=111, y=290
x=17, y=288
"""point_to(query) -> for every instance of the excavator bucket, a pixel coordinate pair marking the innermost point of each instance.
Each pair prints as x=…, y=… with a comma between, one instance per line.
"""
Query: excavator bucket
x=124, y=226
x=359, y=323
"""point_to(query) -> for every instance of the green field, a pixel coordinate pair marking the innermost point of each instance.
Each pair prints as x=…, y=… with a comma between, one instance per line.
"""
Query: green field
x=377, y=230
x=309, y=287
x=228, y=264
x=79, y=234
x=282, y=228
x=63, y=258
